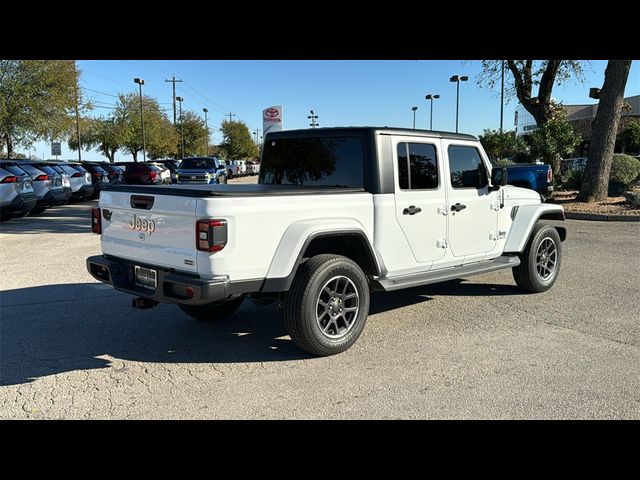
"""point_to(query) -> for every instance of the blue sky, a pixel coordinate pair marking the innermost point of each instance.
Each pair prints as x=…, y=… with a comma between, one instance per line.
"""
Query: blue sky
x=342, y=93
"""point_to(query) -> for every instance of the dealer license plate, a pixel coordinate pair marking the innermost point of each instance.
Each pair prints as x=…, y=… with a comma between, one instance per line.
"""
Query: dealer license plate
x=146, y=277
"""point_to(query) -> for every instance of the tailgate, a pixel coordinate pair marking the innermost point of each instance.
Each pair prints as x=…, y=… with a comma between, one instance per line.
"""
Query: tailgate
x=150, y=229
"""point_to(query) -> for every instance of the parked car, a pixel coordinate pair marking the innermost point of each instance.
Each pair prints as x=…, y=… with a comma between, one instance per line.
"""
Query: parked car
x=99, y=177
x=17, y=196
x=202, y=170
x=337, y=213
x=165, y=173
x=538, y=177
x=253, y=168
x=172, y=165
x=48, y=190
x=137, y=173
x=52, y=170
x=80, y=180
x=241, y=167
x=114, y=172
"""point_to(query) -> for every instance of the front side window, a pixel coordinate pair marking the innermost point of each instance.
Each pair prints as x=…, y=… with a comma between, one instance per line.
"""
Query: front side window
x=417, y=166
x=466, y=167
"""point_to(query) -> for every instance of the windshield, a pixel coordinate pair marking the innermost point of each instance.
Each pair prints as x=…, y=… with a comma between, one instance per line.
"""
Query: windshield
x=326, y=161
x=198, y=164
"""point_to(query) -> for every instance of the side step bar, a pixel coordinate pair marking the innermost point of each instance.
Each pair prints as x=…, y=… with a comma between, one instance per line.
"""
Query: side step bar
x=451, y=273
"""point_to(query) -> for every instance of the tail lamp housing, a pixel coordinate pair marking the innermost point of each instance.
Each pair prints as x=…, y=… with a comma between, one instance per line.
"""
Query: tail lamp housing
x=211, y=235
x=96, y=221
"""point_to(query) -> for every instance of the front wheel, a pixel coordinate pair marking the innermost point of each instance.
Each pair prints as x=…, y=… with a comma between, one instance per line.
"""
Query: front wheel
x=327, y=305
x=213, y=311
x=540, y=261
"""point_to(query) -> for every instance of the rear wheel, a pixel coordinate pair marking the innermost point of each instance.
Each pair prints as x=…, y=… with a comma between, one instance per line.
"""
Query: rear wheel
x=38, y=210
x=540, y=261
x=328, y=304
x=4, y=217
x=213, y=311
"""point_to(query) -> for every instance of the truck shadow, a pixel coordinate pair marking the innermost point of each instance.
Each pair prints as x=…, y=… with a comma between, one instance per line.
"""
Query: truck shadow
x=63, y=328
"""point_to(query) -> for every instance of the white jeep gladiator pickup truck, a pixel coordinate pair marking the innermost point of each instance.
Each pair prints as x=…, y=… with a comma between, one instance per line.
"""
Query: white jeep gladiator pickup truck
x=336, y=213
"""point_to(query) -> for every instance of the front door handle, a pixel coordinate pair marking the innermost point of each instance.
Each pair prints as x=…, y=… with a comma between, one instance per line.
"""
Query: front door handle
x=457, y=207
x=412, y=210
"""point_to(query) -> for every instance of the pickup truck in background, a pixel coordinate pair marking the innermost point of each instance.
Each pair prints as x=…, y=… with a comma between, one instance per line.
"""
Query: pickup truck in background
x=208, y=170
x=538, y=177
x=336, y=213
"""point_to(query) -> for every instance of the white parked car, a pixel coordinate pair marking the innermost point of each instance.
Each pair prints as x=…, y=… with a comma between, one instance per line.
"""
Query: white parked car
x=338, y=212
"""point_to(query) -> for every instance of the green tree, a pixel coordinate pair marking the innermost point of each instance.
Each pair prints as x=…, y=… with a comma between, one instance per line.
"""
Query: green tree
x=605, y=126
x=553, y=140
x=37, y=100
x=159, y=133
x=500, y=145
x=629, y=138
x=167, y=143
x=103, y=134
x=195, y=134
x=522, y=75
x=237, y=142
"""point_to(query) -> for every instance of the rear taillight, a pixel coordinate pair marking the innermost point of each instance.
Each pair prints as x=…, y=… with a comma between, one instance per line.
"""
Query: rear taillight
x=153, y=175
x=76, y=175
x=96, y=174
x=549, y=176
x=11, y=179
x=96, y=221
x=211, y=235
x=42, y=178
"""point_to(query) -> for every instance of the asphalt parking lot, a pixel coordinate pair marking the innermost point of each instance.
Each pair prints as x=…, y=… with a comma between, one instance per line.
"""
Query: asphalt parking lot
x=479, y=348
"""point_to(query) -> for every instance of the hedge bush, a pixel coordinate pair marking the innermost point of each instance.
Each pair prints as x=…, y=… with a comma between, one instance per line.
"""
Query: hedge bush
x=574, y=179
x=624, y=169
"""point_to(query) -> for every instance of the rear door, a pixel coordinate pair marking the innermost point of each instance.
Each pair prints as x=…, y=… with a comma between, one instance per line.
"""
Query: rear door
x=150, y=229
x=420, y=196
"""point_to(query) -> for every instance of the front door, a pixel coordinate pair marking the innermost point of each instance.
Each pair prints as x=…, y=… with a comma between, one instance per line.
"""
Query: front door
x=420, y=197
x=473, y=210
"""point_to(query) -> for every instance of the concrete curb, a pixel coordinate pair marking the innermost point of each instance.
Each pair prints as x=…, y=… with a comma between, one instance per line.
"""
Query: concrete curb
x=602, y=217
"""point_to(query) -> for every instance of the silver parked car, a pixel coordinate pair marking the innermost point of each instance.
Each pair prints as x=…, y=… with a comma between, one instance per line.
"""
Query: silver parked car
x=80, y=180
x=48, y=190
x=17, y=197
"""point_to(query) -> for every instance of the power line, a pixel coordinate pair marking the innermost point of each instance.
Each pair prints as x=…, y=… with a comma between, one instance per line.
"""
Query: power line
x=221, y=108
x=98, y=91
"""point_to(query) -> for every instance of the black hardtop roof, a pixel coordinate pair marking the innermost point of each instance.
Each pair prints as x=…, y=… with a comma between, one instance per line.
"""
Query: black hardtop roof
x=314, y=132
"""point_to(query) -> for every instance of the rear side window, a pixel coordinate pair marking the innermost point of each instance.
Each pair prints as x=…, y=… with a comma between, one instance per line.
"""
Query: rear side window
x=16, y=170
x=313, y=161
x=79, y=168
x=466, y=167
x=68, y=169
x=31, y=170
x=48, y=170
x=417, y=166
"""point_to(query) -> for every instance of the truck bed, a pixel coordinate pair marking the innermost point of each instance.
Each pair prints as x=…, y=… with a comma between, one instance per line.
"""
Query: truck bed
x=204, y=190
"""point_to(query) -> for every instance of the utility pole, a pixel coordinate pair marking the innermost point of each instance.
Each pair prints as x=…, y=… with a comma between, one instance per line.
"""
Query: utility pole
x=502, y=97
x=313, y=117
x=206, y=125
x=78, y=126
x=230, y=115
x=180, y=100
x=174, y=80
x=256, y=132
x=140, y=82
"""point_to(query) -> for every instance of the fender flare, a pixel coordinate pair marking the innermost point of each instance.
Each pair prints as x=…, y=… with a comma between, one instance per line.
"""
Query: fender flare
x=526, y=218
x=296, y=239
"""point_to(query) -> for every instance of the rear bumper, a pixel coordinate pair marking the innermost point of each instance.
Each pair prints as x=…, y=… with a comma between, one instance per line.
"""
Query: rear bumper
x=172, y=286
x=66, y=196
x=52, y=197
x=83, y=191
x=22, y=203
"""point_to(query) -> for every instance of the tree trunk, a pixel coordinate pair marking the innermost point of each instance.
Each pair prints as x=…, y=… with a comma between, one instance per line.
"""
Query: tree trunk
x=605, y=127
x=7, y=140
x=135, y=156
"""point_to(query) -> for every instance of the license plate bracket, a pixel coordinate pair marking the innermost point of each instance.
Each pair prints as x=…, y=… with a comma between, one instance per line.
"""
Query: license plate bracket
x=146, y=277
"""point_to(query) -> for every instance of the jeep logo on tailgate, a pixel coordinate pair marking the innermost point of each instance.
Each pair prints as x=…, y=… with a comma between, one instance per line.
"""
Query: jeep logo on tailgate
x=142, y=224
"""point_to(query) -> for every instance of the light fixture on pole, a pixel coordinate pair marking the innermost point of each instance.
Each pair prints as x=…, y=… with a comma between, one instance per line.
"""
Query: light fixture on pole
x=140, y=82
x=313, y=117
x=180, y=100
x=414, y=116
x=457, y=79
x=206, y=126
x=432, y=98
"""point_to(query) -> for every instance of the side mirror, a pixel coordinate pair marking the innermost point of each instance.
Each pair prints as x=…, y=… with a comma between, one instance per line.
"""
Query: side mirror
x=498, y=178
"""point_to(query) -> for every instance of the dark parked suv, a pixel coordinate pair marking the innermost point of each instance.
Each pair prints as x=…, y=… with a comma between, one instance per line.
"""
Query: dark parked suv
x=141, y=174
x=99, y=177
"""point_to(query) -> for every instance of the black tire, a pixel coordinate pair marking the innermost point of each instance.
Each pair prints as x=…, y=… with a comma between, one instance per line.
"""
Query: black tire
x=37, y=210
x=230, y=175
x=213, y=311
x=530, y=274
x=304, y=298
x=5, y=217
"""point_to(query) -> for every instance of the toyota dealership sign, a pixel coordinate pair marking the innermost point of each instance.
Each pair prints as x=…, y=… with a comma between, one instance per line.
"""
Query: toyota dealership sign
x=272, y=119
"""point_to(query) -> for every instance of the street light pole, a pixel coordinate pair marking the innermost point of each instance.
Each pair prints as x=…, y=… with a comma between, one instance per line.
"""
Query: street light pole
x=140, y=82
x=502, y=97
x=180, y=100
x=414, y=116
x=206, y=125
x=457, y=79
x=432, y=98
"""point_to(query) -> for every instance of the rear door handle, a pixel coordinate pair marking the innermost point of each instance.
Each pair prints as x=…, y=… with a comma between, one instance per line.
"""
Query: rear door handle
x=412, y=210
x=457, y=207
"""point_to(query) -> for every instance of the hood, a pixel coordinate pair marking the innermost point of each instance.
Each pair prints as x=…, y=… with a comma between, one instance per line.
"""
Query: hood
x=519, y=193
